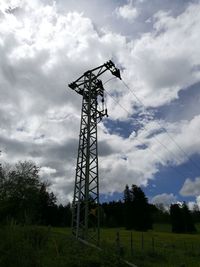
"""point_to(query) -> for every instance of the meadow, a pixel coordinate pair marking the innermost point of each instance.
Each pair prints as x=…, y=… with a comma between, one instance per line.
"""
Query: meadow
x=156, y=248
x=34, y=246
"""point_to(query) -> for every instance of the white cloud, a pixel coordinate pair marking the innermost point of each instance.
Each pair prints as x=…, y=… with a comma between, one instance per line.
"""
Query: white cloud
x=198, y=201
x=165, y=199
x=191, y=187
x=128, y=12
x=194, y=204
x=47, y=171
x=163, y=62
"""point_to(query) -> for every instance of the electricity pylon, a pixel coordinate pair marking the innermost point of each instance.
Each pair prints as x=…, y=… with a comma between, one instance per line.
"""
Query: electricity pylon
x=85, y=206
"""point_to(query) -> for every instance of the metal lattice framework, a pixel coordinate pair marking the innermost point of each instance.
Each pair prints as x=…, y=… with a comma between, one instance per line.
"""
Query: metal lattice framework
x=85, y=206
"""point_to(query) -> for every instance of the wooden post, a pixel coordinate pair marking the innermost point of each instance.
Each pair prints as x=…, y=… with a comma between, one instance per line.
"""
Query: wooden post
x=142, y=241
x=131, y=244
x=117, y=243
x=153, y=244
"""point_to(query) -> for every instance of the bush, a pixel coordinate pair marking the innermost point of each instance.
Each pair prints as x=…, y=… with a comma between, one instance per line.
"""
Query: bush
x=22, y=246
x=34, y=246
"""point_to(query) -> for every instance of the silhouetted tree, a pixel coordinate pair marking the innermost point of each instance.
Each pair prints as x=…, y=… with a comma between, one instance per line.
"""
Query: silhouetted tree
x=176, y=218
x=24, y=197
x=19, y=191
x=160, y=214
x=142, y=217
x=196, y=214
x=137, y=209
x=112, y=213
x=128, y=208
x=189, y=226
x=181, y=219
x=47, y=206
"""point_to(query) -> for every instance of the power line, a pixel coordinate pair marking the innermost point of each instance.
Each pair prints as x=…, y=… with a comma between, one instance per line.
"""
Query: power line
x=109, y=80
x=141, y=142
x=158, y=141
x=154, y=153
x=164, y=129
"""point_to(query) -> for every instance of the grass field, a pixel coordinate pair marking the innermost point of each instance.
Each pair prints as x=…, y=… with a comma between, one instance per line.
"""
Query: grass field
x=156, y=248
x=35, y=246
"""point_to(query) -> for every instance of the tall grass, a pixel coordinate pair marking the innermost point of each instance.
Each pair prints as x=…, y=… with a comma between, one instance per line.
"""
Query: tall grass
x=34, y=246
x=156, y=249
x=22, y=246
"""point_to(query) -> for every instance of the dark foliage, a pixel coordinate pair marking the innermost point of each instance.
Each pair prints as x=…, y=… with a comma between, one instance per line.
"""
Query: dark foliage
x=36, y=246
x=128, y=208
x=137, y=209
x=181, y=219
x=160, y=214
x=112, y=214
x=196, y=214
x=24, y=198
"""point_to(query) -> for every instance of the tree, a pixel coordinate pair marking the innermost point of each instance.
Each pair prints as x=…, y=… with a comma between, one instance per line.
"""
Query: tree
x=137, y=209
x=176, y=218
x=112, y=214
x=22, y=195
x=64, y=215
x=141, y=210
x=189, y=226
x=47, y=206
x=128, y=208
x=196, y=213
x=18, y=191
x=181, y=219
x=160, y=213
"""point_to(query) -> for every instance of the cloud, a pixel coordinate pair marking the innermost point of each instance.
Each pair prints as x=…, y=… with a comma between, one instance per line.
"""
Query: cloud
x=160, y=67
x=198, y=200
x=127, y=12
x=194, y=205
x=191, y=187
x=165, y=199
x=47, y=170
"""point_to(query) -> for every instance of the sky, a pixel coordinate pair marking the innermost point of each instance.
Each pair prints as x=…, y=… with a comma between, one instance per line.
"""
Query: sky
x=151, y=137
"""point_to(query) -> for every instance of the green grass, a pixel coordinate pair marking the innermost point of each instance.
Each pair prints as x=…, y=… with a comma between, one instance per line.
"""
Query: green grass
x=159, y=248
x=35, y=246
x=155, y=248
x=163, y=227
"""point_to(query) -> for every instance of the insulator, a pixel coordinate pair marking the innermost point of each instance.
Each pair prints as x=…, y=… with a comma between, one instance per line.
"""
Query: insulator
x=106, y=112
x=73, y=85
x=102, y=100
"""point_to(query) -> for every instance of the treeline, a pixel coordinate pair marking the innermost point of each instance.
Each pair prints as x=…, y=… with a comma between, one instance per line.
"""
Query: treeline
x=134, y=212
x=25, y=199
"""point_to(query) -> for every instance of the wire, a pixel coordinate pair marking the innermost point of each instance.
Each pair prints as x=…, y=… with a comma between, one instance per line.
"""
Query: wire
x=158, y=141
x=144, y=127
x=169, y=135
x=109, y=80
x=154, y=153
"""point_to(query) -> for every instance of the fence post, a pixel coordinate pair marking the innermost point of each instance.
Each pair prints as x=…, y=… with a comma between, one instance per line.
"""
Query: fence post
x=131, y=244
x=153, y=244
x=120, y=249
x=142, y=241
x=117, y=243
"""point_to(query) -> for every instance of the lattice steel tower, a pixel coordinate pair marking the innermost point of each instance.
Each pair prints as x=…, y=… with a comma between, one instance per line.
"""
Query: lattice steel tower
x=85, y=206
